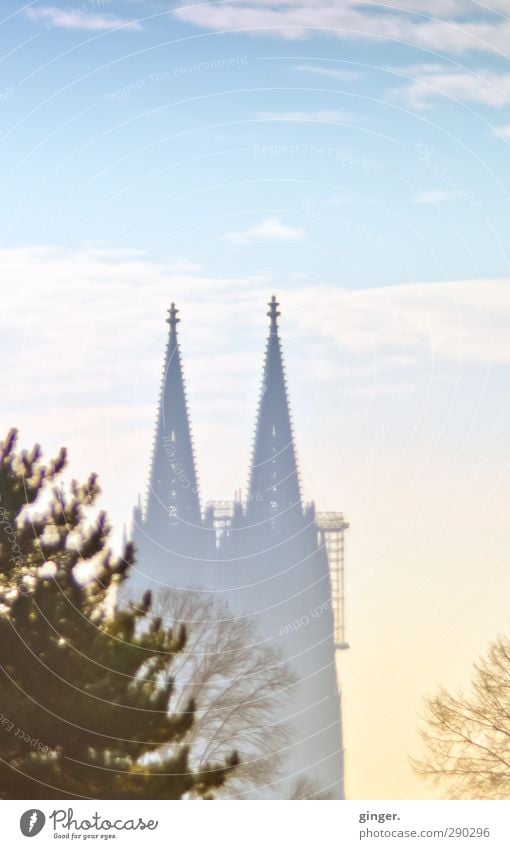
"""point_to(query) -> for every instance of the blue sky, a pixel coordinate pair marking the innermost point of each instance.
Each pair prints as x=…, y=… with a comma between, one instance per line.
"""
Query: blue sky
x=351, y=157
x=176, y=118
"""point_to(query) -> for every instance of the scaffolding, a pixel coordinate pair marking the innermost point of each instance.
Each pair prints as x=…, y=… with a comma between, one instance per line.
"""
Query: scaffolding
x=222, y=513
x=331, y=528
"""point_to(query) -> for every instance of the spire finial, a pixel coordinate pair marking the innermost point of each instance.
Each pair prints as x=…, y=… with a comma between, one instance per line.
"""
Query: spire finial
x=274, y=313
x=172, y=316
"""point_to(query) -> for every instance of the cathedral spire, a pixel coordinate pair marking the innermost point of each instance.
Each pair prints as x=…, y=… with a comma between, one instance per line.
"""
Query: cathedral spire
x=274, y=314
x=274, y=493
x=173, y=506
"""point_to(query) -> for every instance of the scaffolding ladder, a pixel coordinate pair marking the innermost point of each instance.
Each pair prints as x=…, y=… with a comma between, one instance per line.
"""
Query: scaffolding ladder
x=331, y=528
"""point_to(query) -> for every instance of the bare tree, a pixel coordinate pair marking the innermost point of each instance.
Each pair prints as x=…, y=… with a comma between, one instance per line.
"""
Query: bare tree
x=306, y=790
x=237, y=684
x=467, y=737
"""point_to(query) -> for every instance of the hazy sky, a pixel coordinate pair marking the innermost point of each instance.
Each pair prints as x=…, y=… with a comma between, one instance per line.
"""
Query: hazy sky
x=353, y=159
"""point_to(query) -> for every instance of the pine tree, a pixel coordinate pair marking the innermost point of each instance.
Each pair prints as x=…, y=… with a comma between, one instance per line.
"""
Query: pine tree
x=85, y=690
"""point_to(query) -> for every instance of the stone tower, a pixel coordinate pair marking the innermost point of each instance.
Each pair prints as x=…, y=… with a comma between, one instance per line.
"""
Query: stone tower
x=267, y=560
x=169, y=534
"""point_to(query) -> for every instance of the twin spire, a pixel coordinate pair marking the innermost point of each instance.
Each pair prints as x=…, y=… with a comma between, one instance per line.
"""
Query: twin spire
x=274, y=492
x=173, y=498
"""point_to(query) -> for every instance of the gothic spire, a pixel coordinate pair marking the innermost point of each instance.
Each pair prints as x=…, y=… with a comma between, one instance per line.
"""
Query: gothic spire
x=173, y=506
x=274, y=493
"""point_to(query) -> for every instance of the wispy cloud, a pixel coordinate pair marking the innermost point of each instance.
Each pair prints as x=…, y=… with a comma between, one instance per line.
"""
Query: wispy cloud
x=336, y=200
x=80, y=18
x=448, y=26
x=462, y=322
x=269, y=230
x=321, y=116
x=454, y=319
x=431, y=82
x=94, y=385
x=503, y=132
x=340, y=74
x=434, y=196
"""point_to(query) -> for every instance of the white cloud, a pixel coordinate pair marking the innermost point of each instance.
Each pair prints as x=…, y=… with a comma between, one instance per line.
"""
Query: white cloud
x=503, y=132
x=321, y=116
x=79, y=18
x=118, y=298
x=432, y=82
x=419, y=68
x=462, y=322
x=84, y=330
x=83, y=336
x=434, y=196
x=336, y=200
x=447, y=26
x=269, y=230
x=90, y=322
x=86, y=327
x=340, y=74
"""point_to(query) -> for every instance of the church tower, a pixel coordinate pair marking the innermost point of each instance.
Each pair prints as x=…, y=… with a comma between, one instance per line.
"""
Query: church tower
x=266, y=558
x=274, y=498
x=169, y=533
x=280, y=572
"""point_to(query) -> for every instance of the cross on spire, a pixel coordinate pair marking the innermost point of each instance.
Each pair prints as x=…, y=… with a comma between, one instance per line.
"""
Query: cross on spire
x=274, y=313
x=172, y=319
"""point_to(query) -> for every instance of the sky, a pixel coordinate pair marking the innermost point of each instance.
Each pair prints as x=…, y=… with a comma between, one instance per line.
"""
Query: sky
x=353, y=159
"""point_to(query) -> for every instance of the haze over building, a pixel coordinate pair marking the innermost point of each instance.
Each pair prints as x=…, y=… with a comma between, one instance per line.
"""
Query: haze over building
x=268, y=556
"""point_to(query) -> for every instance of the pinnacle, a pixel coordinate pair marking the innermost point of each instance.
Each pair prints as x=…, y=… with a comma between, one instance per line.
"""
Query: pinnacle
x=172, y=316
x=274, y=313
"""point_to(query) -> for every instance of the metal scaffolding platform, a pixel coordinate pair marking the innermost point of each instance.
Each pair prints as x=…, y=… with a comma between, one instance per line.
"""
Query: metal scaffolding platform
x=221, y=514
x=332, y=527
